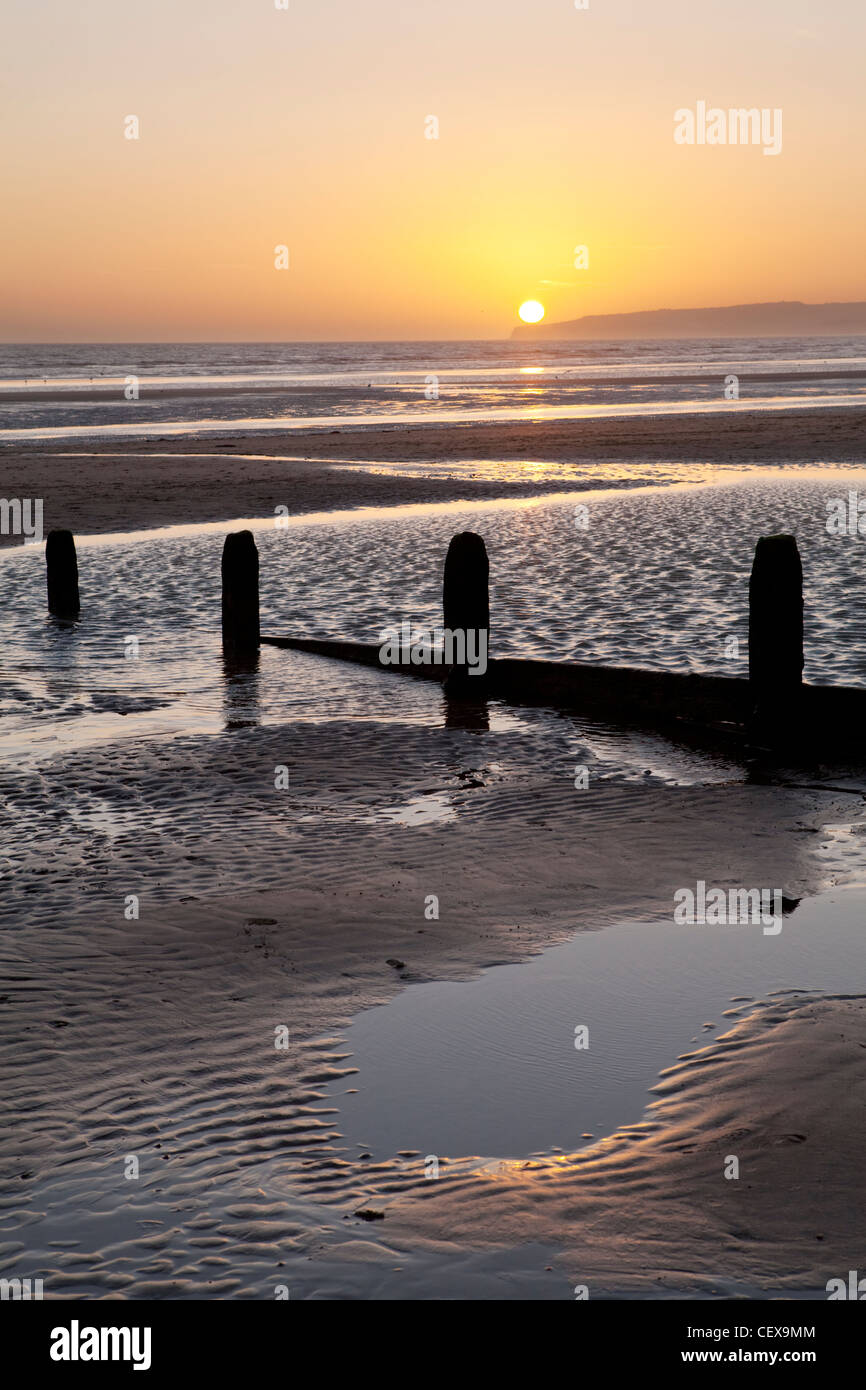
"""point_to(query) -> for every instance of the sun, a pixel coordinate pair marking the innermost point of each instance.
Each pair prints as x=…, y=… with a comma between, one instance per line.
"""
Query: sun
x=531, y=311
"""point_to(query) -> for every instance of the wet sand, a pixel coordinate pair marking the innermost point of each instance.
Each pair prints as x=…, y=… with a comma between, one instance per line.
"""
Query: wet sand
x=156, y=1037
x=650, y=1213
x=123, y=492
x=122, y=486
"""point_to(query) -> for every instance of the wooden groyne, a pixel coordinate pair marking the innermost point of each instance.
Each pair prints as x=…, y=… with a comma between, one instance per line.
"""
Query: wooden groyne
x=239, y=572
x=831, y=716
x=774, y=707
x=61, y=573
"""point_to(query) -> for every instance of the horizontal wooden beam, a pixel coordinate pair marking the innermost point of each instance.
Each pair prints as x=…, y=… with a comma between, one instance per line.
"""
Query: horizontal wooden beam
x=828, y=716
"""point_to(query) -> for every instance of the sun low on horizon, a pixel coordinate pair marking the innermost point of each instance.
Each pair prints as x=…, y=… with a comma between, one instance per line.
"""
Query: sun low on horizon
x=531, y=311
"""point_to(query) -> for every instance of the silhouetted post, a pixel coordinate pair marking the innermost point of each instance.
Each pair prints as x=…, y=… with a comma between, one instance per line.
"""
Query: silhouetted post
x=466, y=608
x=240, y=602
x=61, y=565
x=776, y=630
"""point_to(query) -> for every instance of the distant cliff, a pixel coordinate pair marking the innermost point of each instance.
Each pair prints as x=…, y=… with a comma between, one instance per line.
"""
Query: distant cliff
x=786, y=319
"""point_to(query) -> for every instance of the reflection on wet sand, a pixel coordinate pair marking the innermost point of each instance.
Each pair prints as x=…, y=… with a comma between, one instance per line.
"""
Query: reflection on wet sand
x=473, y=716
x=241, y=692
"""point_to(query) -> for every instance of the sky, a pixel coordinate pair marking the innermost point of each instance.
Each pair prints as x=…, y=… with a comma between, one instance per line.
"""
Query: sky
x=306, y=127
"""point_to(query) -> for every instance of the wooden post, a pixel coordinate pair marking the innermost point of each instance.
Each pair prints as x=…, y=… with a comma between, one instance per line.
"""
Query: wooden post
x=466, y=606
x=61, y=565
x=776, y=631
x=240, y=593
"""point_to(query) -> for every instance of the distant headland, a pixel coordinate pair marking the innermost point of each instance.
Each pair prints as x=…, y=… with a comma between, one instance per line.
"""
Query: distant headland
x=784, y=319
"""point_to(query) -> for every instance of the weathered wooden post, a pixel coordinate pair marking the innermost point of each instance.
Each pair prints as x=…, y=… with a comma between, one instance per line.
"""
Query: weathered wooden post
x=776, y=632
x=466, y=610
x=61, y=564
x=240, y=593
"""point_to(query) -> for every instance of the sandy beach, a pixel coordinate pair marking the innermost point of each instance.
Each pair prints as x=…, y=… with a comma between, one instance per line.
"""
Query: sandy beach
x=331, y=921
x=185, y=480
x=622, y=1215
x=315, y=916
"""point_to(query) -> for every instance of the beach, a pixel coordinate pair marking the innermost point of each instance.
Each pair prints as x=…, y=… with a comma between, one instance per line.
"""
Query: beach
x=629, y=1209
x=300, y=950
x=191, y=479
x=316, y=913
x=222, y=965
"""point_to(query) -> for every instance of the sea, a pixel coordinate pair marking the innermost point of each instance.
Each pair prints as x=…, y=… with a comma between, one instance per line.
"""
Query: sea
x=126, y=389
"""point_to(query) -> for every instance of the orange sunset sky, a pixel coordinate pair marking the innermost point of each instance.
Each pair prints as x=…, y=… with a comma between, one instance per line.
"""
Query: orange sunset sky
x=306, y=127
